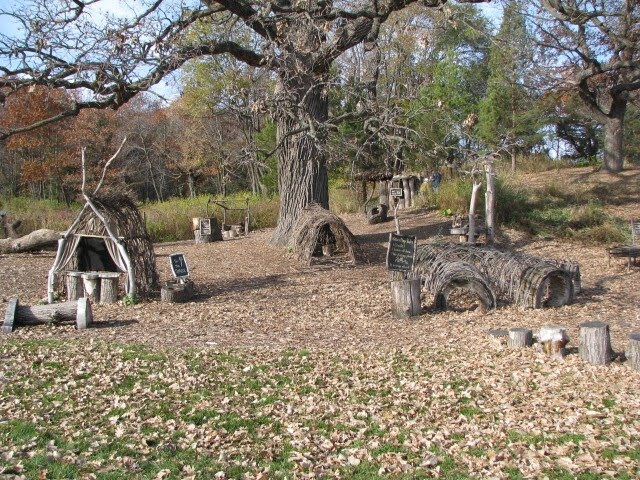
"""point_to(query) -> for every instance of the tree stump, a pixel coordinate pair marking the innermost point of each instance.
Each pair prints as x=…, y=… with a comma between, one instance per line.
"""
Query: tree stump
x=75, y=289
x=377, y=214
x=174, y=292
x=633, y=352
x=595, y=343
x=520, y=337
x=552, y=340
x=78, y=311
x=91, y=281
x=500, y=336
x=405, y=298
x=109, y=287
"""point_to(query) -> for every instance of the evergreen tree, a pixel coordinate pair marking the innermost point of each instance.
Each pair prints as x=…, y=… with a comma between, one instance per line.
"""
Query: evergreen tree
x=509, y=114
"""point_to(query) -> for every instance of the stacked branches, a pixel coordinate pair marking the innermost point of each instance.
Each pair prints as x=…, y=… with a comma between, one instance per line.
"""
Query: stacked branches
x=525, y=280
x=316, y=227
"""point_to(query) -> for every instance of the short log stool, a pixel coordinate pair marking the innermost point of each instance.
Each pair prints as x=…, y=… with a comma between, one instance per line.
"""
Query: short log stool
x=595, y=343
x=91, y=281
x=633, y=352
x=520, y=338
x=108, y=287
x=75, y=289
x=174, y=292
x=405, y=298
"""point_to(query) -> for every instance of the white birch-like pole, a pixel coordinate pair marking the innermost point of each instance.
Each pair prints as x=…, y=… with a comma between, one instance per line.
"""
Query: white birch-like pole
x=490, y=201
x=472, y=212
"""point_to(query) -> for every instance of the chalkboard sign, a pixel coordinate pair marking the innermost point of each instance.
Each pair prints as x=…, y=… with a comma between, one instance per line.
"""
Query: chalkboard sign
x=179, y=265
x=397, y=192
x=401, y=252
x=205, y=226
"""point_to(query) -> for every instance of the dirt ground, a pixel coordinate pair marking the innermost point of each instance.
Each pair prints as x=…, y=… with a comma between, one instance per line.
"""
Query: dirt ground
x=250, y=294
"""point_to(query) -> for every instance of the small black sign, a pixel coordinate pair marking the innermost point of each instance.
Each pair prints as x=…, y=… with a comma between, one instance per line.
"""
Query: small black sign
x=401, y=252
x=397, y=192
x=205, y=226
x=179, y=265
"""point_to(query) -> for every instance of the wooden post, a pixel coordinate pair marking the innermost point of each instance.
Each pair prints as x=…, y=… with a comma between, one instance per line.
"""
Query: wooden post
x=490, y=201
x=405, y=298
x=552, y=341
x=383, y=197
x=246, y=217
x=412, y=191
x=633, y=352
x=91, y=281
x=109, y=287
x=595, y=343
x=75, y=289
x=471, y=238
x=407, y=193
x=520, y=337
x=10, y=315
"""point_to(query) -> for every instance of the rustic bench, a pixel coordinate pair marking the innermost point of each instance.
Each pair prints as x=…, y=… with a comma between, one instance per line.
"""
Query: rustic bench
x=631, y=252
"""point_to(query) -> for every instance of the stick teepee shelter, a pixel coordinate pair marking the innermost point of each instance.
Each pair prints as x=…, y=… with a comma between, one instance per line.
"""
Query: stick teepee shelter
x=108, y=234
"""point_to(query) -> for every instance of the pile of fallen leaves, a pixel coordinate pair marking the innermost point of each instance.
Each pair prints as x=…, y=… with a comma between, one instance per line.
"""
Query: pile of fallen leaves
x=93, y=410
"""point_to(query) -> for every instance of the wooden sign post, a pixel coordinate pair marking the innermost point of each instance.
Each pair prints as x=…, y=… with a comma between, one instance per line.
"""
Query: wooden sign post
x=401, y=252
x=405, y=293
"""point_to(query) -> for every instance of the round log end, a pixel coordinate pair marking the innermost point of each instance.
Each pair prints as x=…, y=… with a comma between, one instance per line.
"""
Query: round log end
x=10, y=316
x=84, y=316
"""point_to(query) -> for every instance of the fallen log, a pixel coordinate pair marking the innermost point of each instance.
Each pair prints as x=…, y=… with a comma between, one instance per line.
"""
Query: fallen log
x=35, y=240
x=76, y=311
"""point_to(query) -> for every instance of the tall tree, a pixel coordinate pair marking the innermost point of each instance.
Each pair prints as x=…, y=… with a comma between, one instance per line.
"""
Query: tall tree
x=63, y=43
x=507, y=114
x=594, y=47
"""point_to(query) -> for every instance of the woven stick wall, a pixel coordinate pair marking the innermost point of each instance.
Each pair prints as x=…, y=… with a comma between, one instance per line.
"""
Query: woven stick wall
x=312, y=225
x=125, y=221
x=442, y=277
x=525, y=280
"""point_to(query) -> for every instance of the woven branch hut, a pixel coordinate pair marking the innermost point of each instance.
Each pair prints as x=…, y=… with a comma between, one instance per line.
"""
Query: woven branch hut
x=108, y=234
x=317, y=228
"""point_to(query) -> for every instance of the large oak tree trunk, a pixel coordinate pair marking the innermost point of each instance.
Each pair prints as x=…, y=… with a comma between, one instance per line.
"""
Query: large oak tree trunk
x=302, y=170
x=613, y=135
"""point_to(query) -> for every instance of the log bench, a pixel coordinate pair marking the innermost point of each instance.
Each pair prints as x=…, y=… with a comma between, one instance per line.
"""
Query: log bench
x=78, y=311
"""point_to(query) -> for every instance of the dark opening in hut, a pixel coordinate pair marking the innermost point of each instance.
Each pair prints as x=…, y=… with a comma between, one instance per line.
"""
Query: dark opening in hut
x=320, y=233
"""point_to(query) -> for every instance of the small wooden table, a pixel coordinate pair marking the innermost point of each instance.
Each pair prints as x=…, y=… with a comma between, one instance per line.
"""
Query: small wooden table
x=629, y=251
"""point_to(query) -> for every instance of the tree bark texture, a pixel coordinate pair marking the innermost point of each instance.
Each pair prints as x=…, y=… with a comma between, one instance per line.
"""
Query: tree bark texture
x=302, y=109
x=405, y=298
x=75, y=288
x=471, y=234
x=633, y=351
x=109, y=287
x=595, y=343
x=613, y=135
x=520, y=337
x=490, y=202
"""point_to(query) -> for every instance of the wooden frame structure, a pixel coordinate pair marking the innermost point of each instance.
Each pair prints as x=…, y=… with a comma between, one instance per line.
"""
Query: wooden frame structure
x=227, y=205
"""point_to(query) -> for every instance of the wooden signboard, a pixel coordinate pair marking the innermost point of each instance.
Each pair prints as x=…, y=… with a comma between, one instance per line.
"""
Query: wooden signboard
x=179, y=265
x=397, y=192
x=401, y=252
x=205, y=226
